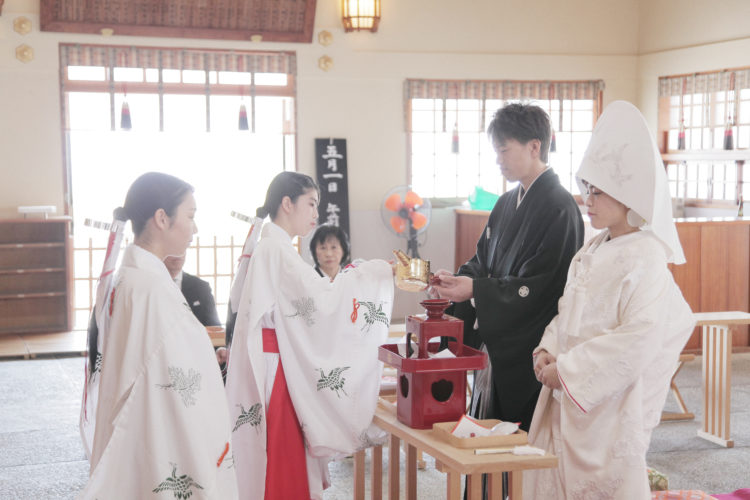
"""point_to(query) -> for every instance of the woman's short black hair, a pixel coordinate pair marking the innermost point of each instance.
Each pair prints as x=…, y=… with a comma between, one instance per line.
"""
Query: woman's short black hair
x=291, y=184
x=325, y=232
x=522, y=122
x=148, y=193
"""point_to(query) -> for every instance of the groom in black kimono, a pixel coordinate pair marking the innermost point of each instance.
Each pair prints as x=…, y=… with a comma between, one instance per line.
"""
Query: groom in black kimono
x=508, y=292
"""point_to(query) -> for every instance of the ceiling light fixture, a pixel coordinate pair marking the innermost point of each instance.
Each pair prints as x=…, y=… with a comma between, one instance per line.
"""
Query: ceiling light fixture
x=360, y=15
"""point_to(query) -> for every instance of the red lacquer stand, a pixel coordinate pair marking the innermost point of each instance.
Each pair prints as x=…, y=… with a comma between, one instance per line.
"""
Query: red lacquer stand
x=432, y=390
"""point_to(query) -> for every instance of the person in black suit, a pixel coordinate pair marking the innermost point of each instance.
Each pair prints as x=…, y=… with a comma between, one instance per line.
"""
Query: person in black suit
x=197, y=292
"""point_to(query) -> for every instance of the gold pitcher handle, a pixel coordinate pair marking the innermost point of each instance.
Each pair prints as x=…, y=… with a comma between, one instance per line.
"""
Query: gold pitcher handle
x=402, y=257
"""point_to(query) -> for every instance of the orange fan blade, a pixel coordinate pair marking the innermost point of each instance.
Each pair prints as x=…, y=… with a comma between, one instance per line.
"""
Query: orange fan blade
x=393, y=202
x=418, y=220
x=413, y=200
x=398, y=224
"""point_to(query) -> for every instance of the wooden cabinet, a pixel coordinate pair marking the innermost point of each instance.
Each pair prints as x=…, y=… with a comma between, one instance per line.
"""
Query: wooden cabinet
x=469, y=227
x=716, y=276
x=35, y=275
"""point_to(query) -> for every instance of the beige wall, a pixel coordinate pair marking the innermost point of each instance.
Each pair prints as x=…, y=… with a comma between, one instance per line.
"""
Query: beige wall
x=671, y=24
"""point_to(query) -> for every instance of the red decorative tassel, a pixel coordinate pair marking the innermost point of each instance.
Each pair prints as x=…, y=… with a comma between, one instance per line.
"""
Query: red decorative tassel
x=125, y=123
x=553, y=143
x=243, y=118
x=681, y=136
x=454, y=140
x=728, y=136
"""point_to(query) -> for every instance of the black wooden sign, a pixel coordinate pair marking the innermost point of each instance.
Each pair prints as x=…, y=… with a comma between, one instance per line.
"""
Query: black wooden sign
x=333, y=179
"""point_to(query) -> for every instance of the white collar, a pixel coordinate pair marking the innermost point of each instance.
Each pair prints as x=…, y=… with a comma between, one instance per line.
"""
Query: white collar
x=139, y=257
x=270, y=229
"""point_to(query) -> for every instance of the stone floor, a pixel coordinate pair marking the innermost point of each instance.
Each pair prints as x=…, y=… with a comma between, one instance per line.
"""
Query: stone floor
x=691, y=462
x=41, y=455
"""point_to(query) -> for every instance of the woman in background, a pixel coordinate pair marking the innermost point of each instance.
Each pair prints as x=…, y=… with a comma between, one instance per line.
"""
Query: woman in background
x=329, y=247
x=162, y=421
x=607, y=358
x=304, y=374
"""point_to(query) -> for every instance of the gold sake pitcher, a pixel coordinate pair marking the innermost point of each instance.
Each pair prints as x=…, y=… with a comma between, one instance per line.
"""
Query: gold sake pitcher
x=412, y=274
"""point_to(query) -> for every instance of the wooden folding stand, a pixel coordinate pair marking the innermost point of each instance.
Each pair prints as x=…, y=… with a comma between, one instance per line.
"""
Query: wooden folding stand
x=717, y=373
x=683, y=414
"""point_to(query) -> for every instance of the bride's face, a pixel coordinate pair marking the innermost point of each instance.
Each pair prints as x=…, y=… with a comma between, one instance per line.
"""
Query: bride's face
x=605, y=211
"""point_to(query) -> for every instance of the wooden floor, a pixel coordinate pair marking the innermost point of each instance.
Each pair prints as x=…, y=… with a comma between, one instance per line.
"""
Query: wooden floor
x=31, y=345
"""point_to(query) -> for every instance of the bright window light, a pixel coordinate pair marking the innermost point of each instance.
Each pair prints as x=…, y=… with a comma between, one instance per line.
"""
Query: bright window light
x=278, y=79
x=91, y=73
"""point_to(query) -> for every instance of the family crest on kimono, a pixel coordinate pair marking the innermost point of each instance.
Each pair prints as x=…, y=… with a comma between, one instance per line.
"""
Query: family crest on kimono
x=162, y=419
x=304, y=376
x=508, y=292
x=607, y=358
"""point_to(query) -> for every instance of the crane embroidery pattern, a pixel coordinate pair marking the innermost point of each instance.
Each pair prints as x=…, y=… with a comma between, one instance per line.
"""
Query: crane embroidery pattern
x=305, y=308
x=373, y=315
x=181, y=486
x=97, y=368
x=250, y=416
x=185, y=385
x=333, y=381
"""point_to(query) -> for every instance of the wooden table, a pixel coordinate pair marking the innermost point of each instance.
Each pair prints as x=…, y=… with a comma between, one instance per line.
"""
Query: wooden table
x=217, y=335
x=717, y=373
x=449, y=459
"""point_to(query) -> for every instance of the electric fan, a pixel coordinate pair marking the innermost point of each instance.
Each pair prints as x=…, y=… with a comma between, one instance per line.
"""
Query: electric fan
x=407, y=215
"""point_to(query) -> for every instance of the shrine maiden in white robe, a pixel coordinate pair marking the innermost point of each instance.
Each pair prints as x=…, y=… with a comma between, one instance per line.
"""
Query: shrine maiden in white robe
x=328, y=335
x=621, y=325
x=162, y=422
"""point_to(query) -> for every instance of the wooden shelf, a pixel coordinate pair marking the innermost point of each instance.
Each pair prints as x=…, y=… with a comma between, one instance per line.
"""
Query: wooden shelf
x=32, y=245
x=17, y=296
x=707, y=155
x=33, y=270
x=36, y=292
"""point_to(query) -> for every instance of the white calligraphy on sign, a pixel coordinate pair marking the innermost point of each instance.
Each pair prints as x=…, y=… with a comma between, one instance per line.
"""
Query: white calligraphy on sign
x=332, y=155
x=333, y=214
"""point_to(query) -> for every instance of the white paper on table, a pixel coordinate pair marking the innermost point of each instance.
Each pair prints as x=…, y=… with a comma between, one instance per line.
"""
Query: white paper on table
x=504, y=429
x=528, y=450
x=468, y=427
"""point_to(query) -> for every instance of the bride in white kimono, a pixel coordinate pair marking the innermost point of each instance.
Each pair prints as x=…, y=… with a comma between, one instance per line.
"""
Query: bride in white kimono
x=162, y=421
x=304, y=374
x=607, y=358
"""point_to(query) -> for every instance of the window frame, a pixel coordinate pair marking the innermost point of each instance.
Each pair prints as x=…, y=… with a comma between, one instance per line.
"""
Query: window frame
x=714, y=113
x=520, y=90
x=170, y=58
